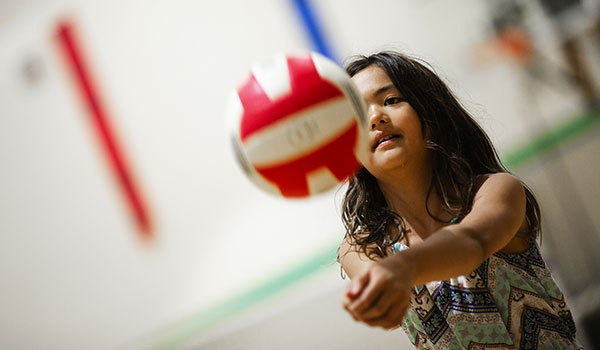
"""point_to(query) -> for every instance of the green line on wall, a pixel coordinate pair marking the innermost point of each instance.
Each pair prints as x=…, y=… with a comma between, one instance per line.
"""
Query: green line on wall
x=550, y=140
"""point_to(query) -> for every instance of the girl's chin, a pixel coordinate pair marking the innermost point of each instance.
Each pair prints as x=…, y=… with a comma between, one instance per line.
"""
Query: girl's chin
x=382, y=164
x=388, y=156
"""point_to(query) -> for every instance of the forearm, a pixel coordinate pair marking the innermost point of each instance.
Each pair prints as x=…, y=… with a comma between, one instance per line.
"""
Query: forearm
x=447, y=253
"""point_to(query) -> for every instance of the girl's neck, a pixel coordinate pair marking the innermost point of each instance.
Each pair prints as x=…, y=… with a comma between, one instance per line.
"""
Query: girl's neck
x=406, y=194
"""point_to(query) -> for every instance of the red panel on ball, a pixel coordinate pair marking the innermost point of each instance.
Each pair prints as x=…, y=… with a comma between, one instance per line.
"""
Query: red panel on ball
x=307, y=89
x=337, y=156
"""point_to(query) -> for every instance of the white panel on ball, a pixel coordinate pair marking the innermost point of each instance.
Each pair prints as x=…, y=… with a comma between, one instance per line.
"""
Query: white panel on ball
x=273, y=77
x=299, y=134
x=321, y=180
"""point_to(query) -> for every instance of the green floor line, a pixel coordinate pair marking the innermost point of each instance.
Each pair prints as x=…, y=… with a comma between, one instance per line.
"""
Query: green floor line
x=209, y=317
x=241, y=302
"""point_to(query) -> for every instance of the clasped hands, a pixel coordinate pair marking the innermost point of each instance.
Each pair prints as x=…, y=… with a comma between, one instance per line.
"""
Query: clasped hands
x=379, y=296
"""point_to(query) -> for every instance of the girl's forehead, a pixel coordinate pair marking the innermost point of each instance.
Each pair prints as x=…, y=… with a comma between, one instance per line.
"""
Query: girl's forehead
x=371, y=79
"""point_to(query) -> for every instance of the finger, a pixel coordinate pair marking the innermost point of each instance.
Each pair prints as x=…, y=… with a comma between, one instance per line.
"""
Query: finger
x=389, y=309
x=357, y=285
x=367, y=298
x=391, y=319
x=396, y=317
x=346, y=304
x=382, y=321
x=380, y=306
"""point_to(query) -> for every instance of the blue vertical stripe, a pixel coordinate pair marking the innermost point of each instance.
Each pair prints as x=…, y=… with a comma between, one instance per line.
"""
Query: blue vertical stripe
x=314, y=28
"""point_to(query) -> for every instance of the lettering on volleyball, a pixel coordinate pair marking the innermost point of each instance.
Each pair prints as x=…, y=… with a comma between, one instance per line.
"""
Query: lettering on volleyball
x=307, y=132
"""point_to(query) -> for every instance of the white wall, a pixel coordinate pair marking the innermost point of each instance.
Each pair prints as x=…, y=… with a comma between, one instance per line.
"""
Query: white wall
x=74, y=271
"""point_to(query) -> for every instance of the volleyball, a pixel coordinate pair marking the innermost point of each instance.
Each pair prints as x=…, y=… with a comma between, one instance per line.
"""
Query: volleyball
x=297, y=125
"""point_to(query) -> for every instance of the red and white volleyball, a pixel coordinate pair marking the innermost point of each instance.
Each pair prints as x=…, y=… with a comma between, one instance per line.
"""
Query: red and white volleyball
x=298, y=125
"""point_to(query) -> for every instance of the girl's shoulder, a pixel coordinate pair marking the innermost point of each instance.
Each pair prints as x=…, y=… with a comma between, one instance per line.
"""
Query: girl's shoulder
x=504, y=186
x=497, y=182
x=500, y=176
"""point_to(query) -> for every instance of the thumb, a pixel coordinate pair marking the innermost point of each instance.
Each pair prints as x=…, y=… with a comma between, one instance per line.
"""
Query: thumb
x=357, y=285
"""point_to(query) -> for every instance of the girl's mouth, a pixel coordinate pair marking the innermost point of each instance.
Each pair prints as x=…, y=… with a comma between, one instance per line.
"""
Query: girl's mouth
x=385, y=140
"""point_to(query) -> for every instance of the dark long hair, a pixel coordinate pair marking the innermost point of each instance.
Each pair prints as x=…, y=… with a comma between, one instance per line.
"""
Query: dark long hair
x=459, y=148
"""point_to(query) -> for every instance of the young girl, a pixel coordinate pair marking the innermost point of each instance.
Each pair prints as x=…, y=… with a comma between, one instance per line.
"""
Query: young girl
x=440, y=238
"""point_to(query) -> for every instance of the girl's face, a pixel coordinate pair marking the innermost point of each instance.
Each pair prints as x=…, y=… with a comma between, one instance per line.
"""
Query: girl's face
x=395, y=137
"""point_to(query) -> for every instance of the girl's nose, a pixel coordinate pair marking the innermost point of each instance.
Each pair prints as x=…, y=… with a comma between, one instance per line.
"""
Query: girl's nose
x=376, y=117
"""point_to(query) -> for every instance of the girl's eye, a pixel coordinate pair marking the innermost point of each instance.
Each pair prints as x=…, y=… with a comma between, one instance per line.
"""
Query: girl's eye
x=392, y=101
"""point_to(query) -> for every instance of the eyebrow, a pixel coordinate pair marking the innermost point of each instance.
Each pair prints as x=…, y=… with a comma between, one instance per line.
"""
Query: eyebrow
x=383, y=89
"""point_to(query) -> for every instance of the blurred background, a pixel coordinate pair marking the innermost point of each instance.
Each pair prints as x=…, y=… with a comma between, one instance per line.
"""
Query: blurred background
x=125, y=222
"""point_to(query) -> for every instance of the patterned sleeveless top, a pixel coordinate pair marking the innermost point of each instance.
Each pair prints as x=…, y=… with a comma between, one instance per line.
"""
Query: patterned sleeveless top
x=509, y=302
